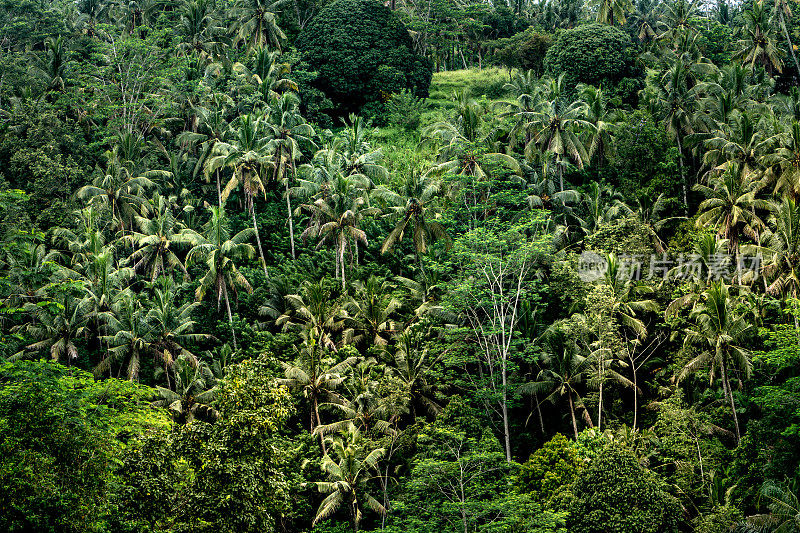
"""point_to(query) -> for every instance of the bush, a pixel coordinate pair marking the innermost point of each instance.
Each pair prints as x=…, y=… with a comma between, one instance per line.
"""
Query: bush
x=362, y=53
x=405, y=110
x=617, y=495
x=595, y=54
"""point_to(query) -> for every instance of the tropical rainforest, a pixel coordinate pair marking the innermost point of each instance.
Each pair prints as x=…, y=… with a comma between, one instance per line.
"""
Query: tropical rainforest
x=402, y=266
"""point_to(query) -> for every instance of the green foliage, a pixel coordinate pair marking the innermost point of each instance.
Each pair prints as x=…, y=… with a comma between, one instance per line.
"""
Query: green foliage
x=62, y=436
x=550, y=470
x=234, y=475
x=617, y=495
x=594, y=54
x=405, y=110
x=362, y=53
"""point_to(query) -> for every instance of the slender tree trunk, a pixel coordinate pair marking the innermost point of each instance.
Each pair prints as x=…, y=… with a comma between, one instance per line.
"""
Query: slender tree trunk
x=683, y=177
x=230, y=315
x=572, y=412
x=539, y=412
x=291, y=222
x=729, y=393
x=635, y=396
x=219, y=191
x=789, y=40
x=319, y=423
x=341, y=260
x=504, y=407
x=258, y=237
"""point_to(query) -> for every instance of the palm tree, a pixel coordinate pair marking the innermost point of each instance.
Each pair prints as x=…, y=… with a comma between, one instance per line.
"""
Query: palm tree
x=673, y=100
x=372, y=307
x=783, y=163
x=679, y=20
x=246, y=154
x=51, y=69
x=195, y=389
x=783, y=11
x=738, y=141
x=611, y=11
x=55, y=329
x=220, y=251
x=367, y=413
x=119, y=189
x=731, y=205
x=198, y=29
x=348, y=472
x=415, y=205
x=759, y=43
x=719, y=329
x=288, y=130
x=412, y=367
x=316, y=312
x=317, y=376
x=258, y=22
x=268, y=74
x=130, y=337
x=556, y=127
x=780, y=246
x=565, y=368
x=600, y=135
x=336, y=216
x=172, y=324
x=783, y=505
x=157, y=240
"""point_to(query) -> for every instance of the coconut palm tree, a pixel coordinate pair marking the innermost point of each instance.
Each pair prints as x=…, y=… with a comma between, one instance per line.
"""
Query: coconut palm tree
x=564, y=370
x=258, y=22
x=289, y=133
x=783, y=163
x=600, y=140
x=371, y=309
x=119, y=189
x=246, y=153
x=158, y=239
x=55, y=328
x=411, y=366
x=731, y=205
x=556, y=128
x=415, y=205
x=317, y=375
x=129, y=336
x=315, y=310
x=719, y=329
x=267, y=74
x=220, y=251
x=172, y=323
x=194, y=392
x=758, y=44
x=611, y=11
x=349, y=470
x=780, y=247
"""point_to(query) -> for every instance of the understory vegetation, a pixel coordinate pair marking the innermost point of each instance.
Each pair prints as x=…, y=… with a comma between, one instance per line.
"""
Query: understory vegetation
x=314, y=265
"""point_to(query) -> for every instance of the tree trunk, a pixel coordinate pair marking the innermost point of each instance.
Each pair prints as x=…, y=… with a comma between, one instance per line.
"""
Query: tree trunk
x=539, y=412
x=319, y=423
x=291, y=222
x=230, y=315
x=635, y=396
x=504, y=407
x=572, y=412
x=729, y=393
x=219, y=192
x=683, y=177
x=789, y=41
x=258, y=237
x=341, y=261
